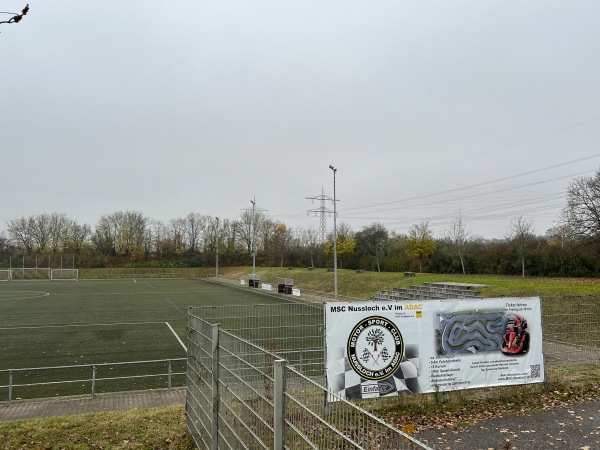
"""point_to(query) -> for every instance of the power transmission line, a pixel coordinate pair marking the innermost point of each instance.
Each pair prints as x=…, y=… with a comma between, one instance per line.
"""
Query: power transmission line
x=323, y=211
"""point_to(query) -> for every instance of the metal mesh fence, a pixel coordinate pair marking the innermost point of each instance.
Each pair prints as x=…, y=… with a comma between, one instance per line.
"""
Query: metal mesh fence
x=292, y=331
x=80, y=379
x=234, y=390
x=572, y=338
x=199, y=403
x=315, y=418
x=48, y=260
x=257, y=336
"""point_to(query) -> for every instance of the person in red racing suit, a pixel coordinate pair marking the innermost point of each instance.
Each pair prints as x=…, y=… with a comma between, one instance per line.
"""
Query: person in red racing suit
x=514, y=336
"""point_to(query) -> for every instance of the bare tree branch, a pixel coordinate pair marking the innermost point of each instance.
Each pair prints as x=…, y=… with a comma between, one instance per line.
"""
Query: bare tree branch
x=582, y=213
x=16, y=17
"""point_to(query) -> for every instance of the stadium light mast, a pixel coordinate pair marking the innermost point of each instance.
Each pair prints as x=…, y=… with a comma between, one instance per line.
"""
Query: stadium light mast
x=253, y=238
x=217, y=238
x=335, y=278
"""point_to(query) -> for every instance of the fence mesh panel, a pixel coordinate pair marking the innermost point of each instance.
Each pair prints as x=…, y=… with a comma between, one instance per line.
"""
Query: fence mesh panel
x=257, y=335
x=293, y=331
x=318, y=419
x=199, y=396
x=242, y=409
x=572, y=338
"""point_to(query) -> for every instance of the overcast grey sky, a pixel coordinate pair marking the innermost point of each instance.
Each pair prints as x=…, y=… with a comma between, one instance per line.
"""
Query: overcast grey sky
x=424, y=107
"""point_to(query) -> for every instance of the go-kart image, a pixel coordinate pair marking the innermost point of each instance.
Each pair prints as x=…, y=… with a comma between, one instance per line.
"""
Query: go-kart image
x=516, y=339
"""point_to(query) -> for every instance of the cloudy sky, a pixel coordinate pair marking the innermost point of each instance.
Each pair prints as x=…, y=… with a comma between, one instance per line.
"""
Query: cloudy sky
x=426, y=108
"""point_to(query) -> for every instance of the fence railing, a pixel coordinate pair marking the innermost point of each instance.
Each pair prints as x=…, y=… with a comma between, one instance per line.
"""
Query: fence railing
x=38, y=382
x=234, y=393
x=243, y=396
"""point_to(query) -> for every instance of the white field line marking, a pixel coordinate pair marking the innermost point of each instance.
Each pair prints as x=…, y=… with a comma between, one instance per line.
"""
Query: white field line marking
x=134, y=280
x=173, y=331
x=5, y=295
x=78, y=325
x=148, y=284
x=137, y=293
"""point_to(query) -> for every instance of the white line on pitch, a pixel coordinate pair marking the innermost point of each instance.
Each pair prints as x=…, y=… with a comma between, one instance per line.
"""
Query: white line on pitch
x=134, y=280
x=173, y=331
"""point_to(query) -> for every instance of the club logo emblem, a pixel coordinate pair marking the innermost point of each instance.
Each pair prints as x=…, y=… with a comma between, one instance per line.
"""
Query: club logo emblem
x=375, y=348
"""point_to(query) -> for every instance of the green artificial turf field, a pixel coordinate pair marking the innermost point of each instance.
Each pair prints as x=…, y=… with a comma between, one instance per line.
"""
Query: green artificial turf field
x=100, y=322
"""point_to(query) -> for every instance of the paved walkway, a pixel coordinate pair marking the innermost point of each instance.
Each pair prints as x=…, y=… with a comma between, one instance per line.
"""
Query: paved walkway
x=576, y=427
x=122, y=401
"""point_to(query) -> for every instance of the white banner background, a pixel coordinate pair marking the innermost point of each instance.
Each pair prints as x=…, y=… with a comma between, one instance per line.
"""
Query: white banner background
x=443, y=345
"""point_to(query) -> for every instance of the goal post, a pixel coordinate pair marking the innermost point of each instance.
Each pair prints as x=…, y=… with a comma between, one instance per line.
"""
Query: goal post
x=64, y=274
x=5, y=275
x=30, y=273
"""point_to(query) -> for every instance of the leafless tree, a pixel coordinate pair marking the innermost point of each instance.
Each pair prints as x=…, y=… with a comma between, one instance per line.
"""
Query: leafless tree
x=21, y=231
x=158, y=237
x=105, y=234
x=177, y=228
x=227, y=234
x=521, y=235
x=78, y=235
x=210, y=233
x=249, y=230
x=309, y=239
x=42, y=231
x=266, y=232
x=131, y=232
x=59, y=231
x=457, y=237
x=582, y=213
x=194, y=224
x=120, y=232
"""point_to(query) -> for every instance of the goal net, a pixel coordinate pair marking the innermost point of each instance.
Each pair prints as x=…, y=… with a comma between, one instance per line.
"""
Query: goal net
x=26, y=273
x=5, y=275
x=64, y=274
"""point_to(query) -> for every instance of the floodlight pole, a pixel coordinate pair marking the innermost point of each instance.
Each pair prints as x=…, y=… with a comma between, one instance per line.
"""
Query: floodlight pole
x=253, y=239
x=217, y=238
x=335, y=278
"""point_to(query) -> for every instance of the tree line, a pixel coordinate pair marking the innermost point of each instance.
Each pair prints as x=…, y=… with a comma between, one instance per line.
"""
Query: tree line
x=128, y=238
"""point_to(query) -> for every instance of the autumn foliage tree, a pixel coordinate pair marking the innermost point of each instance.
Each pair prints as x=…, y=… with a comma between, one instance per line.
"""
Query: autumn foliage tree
x=420, y=243
x=346, y=244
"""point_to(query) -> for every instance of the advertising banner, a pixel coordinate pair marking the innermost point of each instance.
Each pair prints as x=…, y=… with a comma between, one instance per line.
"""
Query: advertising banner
x=379, y=348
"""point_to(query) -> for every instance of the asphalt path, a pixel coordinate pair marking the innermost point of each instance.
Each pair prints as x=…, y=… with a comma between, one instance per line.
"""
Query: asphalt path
x=576, y=427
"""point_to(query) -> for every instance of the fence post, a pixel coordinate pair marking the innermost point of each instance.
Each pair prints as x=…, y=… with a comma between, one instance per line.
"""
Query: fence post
x=170, y=372
x=93, y=381
x=10, y=387
x=214, y=441
x=545, y=385
x=279, y=404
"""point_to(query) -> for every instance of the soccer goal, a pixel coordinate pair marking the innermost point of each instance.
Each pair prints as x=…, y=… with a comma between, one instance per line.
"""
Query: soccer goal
x=30, y=273
x=64, y=274
x=5, y=275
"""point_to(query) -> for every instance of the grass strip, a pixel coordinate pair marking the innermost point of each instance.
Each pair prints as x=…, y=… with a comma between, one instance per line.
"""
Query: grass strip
x=155, y=428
